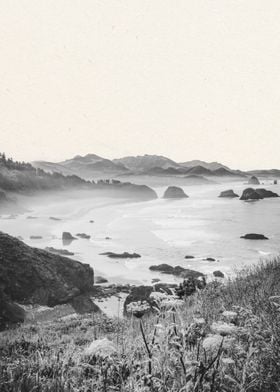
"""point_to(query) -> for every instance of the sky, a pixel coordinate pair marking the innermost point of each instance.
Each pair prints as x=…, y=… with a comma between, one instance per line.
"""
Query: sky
x=188, y=79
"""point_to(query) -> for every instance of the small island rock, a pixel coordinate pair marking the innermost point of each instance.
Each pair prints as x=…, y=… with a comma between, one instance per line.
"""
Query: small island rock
x=174, y=192
x=254, y=236
x=253, y=181
x=250, y=194
x=124, y=255
x=68, y=236
x=228, y=193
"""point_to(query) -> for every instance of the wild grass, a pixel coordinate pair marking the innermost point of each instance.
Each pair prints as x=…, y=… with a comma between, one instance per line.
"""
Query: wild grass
x=224, y=338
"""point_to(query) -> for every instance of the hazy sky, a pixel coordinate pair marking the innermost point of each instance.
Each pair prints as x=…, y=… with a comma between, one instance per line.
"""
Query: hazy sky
x=189, y=79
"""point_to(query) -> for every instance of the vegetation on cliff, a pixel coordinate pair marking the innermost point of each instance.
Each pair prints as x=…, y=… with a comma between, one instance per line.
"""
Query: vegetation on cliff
x=23, y=177
x=223, y=338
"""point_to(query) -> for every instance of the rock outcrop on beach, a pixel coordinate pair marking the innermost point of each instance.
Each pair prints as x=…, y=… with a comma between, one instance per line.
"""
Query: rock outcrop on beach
x=174, y=192
x=100, y=280
x=253, y=181
x=254, y=236
x=178, y=270
x=124, y=255
x=228, y=193
x=218, y=274
x=33, y=276
x=257, y=194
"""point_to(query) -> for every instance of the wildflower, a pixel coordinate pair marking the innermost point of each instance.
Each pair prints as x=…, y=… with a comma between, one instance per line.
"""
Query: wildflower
x=199, y=321
x=101, y=347
x=230, y=316
x=166, y=301
x=138, y=308
x=171, y=303
x=228, y=361
x=223, y=328
x=212, y=342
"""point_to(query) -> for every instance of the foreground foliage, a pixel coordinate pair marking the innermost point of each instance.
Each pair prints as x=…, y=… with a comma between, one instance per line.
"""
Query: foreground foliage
x=224, y=338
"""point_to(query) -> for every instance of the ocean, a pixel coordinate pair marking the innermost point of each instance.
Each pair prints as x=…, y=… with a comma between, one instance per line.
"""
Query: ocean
x=161, y=231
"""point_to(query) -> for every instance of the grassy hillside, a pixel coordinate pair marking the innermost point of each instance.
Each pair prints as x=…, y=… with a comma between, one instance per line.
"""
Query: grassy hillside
x=224, y=338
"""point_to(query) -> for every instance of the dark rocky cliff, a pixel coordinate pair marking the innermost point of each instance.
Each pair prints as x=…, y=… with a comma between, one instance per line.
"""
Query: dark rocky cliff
x=34, y=276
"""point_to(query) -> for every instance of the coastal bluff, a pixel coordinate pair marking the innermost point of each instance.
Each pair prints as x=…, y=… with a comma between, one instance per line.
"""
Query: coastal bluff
x=34, y=276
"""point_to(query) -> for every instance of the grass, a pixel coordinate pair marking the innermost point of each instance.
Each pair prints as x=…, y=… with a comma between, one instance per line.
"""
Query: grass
x=196, y=347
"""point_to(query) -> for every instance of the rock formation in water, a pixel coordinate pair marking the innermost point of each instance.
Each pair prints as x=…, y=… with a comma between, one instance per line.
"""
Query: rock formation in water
x=253, y=181
x=68, y=236
x=257, y=194
x=83, y=235
x=34, y=276
x=264, y=193
x=254, y=236
x=174, y=192
x=250, y=194
x=178, y=270
x=228, y=193
x=124, y=255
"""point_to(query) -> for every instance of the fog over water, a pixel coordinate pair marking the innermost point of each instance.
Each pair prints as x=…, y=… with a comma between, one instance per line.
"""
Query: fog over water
x=161, y=231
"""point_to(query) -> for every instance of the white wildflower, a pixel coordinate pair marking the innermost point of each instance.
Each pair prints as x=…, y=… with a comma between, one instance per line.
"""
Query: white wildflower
x=229, y=315
x=199, y=321
x=138, y=308
x=157, y=296
x=228, y=361
x=101, y=347
x=166, y=301
x=223, y=328
x=212, y=342
x=171, y=302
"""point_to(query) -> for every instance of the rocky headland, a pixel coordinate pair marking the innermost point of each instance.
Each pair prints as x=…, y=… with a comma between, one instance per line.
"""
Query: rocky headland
x=33, y=276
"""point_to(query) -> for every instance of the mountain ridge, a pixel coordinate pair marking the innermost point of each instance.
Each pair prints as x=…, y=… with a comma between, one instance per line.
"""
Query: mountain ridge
x=92, y=165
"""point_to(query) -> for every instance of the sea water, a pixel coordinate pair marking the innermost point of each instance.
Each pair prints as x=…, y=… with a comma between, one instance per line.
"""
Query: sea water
x=161, y=231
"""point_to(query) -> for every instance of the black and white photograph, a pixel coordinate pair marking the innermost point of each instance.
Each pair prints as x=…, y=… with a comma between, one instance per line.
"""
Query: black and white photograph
x=139, y=196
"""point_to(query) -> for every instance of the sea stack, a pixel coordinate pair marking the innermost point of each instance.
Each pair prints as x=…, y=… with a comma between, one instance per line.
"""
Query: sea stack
x=174, y=192
x=229, y=193
x=256, y=194
x=253, y=181
x=250, y=194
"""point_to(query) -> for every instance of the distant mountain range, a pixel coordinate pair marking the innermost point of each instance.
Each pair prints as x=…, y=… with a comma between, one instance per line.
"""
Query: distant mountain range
x=93, y=166
x=88, y=166
x=206, y=165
